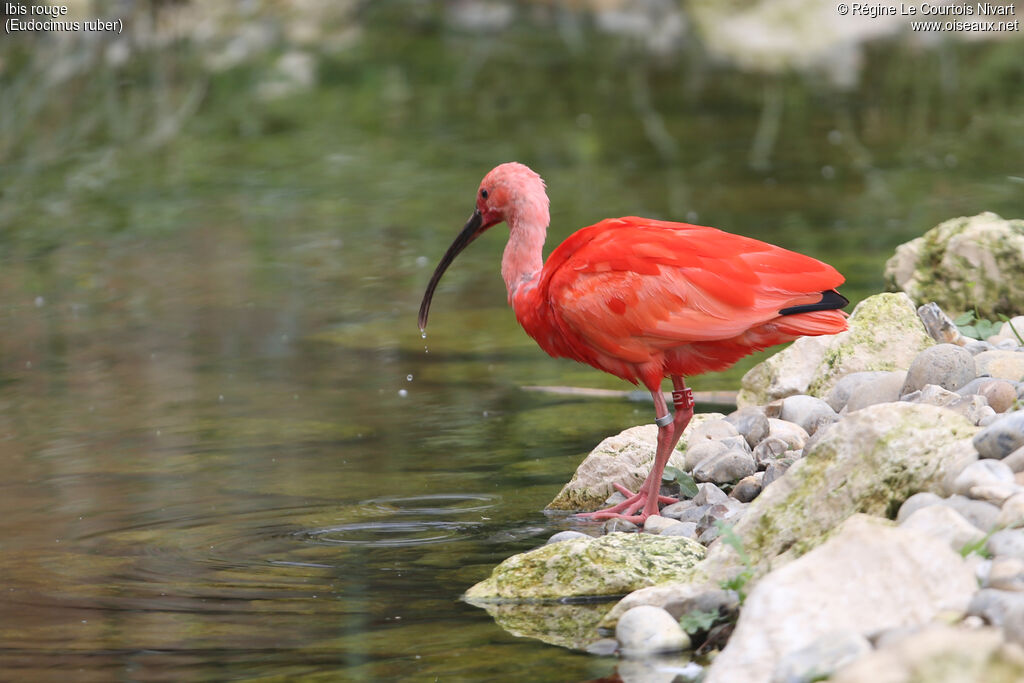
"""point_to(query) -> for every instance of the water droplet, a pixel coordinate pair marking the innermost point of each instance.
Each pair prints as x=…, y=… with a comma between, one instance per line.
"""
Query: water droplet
x=40, y=302
x=408, y=378
x=403, y=393
x=421, y=261
x=423, y=334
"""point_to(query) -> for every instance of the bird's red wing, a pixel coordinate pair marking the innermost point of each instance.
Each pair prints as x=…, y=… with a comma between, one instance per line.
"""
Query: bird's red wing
x=634, y=287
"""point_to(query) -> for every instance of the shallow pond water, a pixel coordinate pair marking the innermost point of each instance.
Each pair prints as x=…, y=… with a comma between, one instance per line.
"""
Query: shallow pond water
x=227, y=450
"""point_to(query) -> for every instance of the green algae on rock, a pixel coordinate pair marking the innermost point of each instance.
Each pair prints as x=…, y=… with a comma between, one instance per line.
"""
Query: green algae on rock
x=885, y=334
x=611, y=565
x=966, y=263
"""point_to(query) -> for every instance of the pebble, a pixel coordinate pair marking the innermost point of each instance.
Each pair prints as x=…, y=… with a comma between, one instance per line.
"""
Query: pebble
x=620, y=526
x=794, y=435
x=774, y=470
x=932, y=394
x=884, y=389
x=940, y=521
x=768, y=450
x=1002, y=437
x=1012, y=512
x=751, y=423
x=687, y=529
x=676, y=509
x=1001, y=363
x=692, y=514
x=719, y=513
x=656, y=524
x=567, y=535
x=976, y=346
x=709, y=494
x=1006, y=573
x=1015, y=460
x=736, y=443
x=808, y=412
x=982, y=473
x=978, y=512
x=840, y=394
x=711, y=430
x=647, y=629
x=915, y=503
x=1006, y=543
x=821, y=658
x=994, y=605
x=701, y=451
x=728, y=467
x=946, y=365
x=748, y=488
x=999, y=394
x=1008, y=327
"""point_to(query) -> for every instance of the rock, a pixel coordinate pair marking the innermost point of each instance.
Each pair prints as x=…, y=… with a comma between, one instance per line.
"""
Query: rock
x=885, y=334
x=965, y=263
x=692, y=514
x=821, y=658
x=1006, y=573
x=675, y=510
x=940, y=326
x=709, y=494
x=946, y=365
x=839, y=395
x=725, y=468
x=722, y=512
x=998, y=393
x=1012, y=512
x=656, y=524
x=984, y=473
x=768, y=450
x=748, y=488
x=976, y=346
x=945, y=523
x=794, y=435
x=1007, y=543
x=566, y=536
x=647, y=630
x=676, y=598
x=807, y=412
x=609, y=565
x=1002, y=437
x=684, y=529
x=1008, y=327
x=933, y=395
x=871, y=461
x=1015, y=460
x=619, y=526
x=751, y=423
x=902, y=578
x=699, y=452
x=915, y=503
x=624, y=459
x=1001, y=364
x=938, y=654
x=710, y=429
x=774, y=471
x=981, y=514
x=885, y=389
x=994, y=605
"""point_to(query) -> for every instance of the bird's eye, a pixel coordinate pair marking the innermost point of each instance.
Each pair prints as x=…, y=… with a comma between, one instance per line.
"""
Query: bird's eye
x=483, y=193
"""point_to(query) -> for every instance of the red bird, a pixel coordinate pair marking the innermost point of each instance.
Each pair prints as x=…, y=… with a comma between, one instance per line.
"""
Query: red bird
x=644, y=300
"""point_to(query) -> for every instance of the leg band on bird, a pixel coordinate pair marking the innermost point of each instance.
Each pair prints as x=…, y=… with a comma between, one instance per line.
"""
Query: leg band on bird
x=664, y=420
x=682, y=398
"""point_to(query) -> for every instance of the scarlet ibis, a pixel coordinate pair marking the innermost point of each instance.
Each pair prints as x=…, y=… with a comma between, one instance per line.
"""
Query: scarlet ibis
x=645, y=299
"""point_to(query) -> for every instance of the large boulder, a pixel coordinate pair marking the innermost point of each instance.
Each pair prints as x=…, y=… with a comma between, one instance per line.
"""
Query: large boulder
x=611, y=565
x=870, y=576
x=621, y=459
x=885, y=334
x=972, y=262
x=870, y=462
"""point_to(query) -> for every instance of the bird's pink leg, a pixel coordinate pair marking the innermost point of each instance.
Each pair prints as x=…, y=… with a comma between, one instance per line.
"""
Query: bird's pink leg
x=647, y=498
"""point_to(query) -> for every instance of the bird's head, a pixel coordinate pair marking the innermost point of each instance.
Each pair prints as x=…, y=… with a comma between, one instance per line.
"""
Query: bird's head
x=512, y=193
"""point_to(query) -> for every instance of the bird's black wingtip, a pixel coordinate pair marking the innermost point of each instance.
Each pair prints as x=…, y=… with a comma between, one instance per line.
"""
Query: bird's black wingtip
x=830, y=300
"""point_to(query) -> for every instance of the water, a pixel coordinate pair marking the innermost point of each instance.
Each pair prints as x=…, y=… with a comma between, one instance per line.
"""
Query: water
x=216, y=461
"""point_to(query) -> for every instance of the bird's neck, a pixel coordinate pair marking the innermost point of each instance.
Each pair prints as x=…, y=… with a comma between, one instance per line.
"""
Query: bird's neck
x=524, y=253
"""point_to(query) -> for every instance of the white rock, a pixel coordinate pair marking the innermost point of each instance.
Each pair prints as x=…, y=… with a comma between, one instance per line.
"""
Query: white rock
x=946, y=365
x=1012, y=512
x=840, y=394
x=980, y=474
x=656, y=524
x=794, y=435
x=808, y=412
x=884, y=389
x=1007, y=543
x=915, y=503
x=945, y=523
x=825, y=655
x=1006, y=573
x=566, y=535
x=869, y=576
x=648, y=630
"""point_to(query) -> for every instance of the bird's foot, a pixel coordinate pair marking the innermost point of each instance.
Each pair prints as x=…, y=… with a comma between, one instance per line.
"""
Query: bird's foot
x=633, y=509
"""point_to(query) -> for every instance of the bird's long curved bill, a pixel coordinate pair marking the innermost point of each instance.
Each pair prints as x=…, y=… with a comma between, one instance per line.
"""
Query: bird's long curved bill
x=470, y=232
